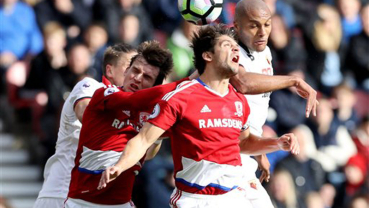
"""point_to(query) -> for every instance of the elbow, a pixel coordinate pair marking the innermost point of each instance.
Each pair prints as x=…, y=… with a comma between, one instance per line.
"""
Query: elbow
x=246, y=148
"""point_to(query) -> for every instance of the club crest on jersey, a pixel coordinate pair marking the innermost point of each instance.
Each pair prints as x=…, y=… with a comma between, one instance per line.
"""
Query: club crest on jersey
x=238, y=105
x=266, y=57
x=143, y=117
x=110, y=91
x=155, y=112
x=127, y=112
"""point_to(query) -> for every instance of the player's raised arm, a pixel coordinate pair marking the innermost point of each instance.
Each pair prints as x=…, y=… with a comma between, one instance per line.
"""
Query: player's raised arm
x=254, y=83
x=253, y=145
x=134, y=151
x=138, y=101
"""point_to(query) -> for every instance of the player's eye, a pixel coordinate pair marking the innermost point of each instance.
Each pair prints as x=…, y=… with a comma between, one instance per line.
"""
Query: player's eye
x=136, y=71
x=147, y=77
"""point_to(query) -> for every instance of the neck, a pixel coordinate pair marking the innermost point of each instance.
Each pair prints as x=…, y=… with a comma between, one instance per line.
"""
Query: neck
x=106, y=80
x=215, y=81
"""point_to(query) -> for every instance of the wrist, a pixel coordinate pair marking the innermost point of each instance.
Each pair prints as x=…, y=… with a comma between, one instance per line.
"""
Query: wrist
x=278, y=143
x=296, y=81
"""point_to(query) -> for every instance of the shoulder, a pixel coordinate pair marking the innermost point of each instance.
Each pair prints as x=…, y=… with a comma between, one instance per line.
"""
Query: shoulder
x=87, y=85
x=182, y=91
x=24, y=8
x=84, y=89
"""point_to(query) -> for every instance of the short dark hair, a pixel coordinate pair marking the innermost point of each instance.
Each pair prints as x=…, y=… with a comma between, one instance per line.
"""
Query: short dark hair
x=156, y=56
x=113, y=53
x=204, y=40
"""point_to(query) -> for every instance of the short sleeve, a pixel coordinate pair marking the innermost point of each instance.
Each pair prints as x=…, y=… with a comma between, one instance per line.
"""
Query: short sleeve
x=164, y=115
x=84, y=89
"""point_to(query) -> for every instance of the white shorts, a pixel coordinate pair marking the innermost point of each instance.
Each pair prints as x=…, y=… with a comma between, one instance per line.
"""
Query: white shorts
x=79, y=203
x=255, y=192
x=47, y=202
x=232, y=199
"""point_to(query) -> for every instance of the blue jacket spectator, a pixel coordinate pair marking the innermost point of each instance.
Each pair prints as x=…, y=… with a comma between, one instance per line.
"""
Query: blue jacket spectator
x=19, y=33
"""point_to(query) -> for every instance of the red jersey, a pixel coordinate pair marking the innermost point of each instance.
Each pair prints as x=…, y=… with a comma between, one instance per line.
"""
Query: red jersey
x=205, y=127
x=109, y=121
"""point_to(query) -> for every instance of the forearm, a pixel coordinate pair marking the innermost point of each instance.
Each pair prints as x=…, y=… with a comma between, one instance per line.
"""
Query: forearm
x=133, y=152
x=153, y=150
x=255, y=145
x=254, y=83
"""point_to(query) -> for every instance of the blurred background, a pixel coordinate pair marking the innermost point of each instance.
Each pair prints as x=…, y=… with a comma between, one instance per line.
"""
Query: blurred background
x=47, y=46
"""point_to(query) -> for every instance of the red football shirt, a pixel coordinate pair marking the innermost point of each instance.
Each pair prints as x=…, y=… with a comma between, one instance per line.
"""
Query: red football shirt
x=205, y=127
x=109, y=121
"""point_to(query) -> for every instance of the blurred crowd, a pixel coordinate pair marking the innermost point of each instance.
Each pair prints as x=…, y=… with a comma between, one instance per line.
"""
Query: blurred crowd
x=47, y=46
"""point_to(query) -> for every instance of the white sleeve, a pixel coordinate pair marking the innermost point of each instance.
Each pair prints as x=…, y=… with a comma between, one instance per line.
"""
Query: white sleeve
x=84, y=89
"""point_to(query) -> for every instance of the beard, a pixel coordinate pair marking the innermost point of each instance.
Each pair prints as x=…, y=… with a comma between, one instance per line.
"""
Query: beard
x=227, y=70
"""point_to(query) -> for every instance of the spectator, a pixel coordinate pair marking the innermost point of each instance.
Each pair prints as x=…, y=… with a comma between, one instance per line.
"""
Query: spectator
x=50, y=60
x=79, y=63
x=286, y=47
x=361, y=138
x=179, y=45
x=360, y=201
x=282, y=191
x=307, y=174
x=314, y=200
x=114, y=10
x=281, y=8
x=328, y=193
x=357, y=61
x=332, y=140
x=129, y=30
x=324, y=61
x=288, y=104
x=164, y=15
x=350, y=18
x=73, y=15
x=344, y=101
x=96, y=38
x=21, y=38
x=44, y=72
x=356, y=171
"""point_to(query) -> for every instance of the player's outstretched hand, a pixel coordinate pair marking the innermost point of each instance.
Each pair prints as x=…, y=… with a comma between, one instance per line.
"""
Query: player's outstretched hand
x=110, y=174
x=288, y=142
x=307, y=92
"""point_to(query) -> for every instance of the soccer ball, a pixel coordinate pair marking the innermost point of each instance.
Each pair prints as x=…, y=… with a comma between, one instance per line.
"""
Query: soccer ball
x=200, y=12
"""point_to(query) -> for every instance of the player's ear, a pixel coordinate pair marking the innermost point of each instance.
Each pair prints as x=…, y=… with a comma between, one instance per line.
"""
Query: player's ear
x=207, y=56
x=109, y=71
x=235, y=25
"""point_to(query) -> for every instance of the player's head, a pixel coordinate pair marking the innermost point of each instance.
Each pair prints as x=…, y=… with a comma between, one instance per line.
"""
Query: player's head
x=116, y=61
x=215, y=45
x=253, y=23
x=149, y=67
